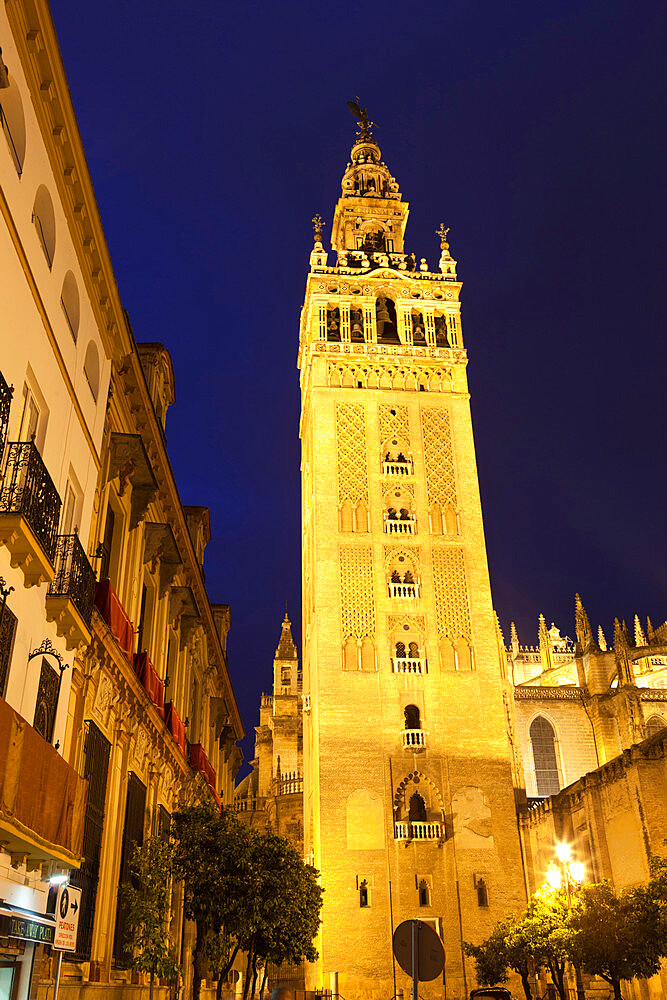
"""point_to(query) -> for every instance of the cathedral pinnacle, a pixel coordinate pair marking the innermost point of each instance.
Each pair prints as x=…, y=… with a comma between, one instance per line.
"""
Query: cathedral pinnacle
x=286, y=649
x=582, y=625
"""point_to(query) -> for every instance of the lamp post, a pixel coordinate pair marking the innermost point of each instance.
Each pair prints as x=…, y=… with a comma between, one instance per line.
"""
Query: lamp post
x=562, y=875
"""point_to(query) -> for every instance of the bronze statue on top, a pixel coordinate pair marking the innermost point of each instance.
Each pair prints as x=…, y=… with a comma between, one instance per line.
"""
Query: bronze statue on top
x=363, y=121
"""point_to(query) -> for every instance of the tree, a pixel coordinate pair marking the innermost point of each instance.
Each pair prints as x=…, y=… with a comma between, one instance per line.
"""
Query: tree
x=633, y=938
x=148, y=899
x=245, y=890
x=506, y=947
x=547, y=935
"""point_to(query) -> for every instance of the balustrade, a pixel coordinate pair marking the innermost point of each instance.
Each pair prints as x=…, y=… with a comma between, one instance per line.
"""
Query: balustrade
x=74, y=577
x=403, y=589
x=417, y=831
x=396, y=526
x=414, y=738
x=408, y=665
x=397, y=468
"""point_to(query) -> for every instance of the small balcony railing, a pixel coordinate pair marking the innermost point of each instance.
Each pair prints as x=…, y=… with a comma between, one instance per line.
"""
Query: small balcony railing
x=397, y=468
x=6, y=393
x=408, y=665
x=403, y=589
x=403, y=526
x=75, y=578
x=290, y=783
x=28, y=490
x=418, y=831
x=414, y=739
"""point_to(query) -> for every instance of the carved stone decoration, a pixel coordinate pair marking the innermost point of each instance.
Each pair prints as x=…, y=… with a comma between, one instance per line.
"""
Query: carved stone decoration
x=129, y=462
x=103, y=697
x=160, y=547
x=472, y=819
x=141, y=747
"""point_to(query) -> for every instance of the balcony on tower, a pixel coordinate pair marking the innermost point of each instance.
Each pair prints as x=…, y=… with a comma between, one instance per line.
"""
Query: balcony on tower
x=418, y=831
x=403, y=588
x=414, y=739
x=408, y=665
x=401, y=467
x=29, y=513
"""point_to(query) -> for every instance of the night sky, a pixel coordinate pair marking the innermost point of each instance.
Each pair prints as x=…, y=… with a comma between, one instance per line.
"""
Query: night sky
x=215, y=131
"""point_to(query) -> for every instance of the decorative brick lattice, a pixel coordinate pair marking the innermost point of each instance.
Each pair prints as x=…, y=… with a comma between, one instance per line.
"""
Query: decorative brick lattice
x=438, y=457
x=351, y=444
x=394, y=422
x=452, y=610
x=357, y=604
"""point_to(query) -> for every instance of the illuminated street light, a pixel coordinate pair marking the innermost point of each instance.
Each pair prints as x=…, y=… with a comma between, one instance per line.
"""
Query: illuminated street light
x=562, y=876
x=577, y=871
x=563, y=852
x=554, y=877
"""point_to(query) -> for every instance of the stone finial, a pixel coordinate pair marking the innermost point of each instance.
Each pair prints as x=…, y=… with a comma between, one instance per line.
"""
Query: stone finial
x=514, y=636
x=582, y=624
x=640, y=638
x=649, y=628
x=602, y=642
x=318, y=226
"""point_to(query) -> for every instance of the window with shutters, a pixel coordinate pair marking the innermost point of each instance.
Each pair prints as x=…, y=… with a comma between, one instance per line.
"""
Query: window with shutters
x=95, y=771
x=133, y=836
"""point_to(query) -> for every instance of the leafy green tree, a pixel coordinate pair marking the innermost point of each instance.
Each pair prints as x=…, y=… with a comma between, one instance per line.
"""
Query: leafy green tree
x=147, y=897
x=547, y=934
x=619, y=936
x=505, y=948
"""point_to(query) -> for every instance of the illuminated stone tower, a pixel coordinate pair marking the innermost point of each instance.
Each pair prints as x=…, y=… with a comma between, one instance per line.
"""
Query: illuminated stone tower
x=408, y=800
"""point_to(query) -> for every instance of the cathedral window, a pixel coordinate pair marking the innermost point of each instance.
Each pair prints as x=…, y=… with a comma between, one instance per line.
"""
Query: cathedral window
x=424, y=890
x=654, y=725
x=411, y=715
x=543, y=741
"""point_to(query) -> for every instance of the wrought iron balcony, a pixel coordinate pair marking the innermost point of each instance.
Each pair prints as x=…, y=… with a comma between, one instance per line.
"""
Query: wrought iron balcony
x=400, y=526
x=417, y=831
x=408, y=665
x=6, y=393
x=414, y=739
x=29, y=513
x=69, y=601
x=403, y=589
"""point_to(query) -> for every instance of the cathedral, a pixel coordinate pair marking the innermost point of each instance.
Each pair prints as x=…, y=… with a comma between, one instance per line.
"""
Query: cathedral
x=433, y=766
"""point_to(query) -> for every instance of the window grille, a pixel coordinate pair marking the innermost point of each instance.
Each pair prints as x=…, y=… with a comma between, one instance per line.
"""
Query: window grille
x=8, y=623
x=47, y=700
x=95, y=770
x=133, y=835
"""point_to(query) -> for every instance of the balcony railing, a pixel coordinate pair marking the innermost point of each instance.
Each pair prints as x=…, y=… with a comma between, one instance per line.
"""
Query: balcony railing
x=403, y=526
x=43, y=797
x=418, y=831
x=397, y=468
x=6, y=393
x=414, y=739
x=74, y=577
x=289, y=784
x=408, y=665
x=403, y=589
x=28, y=490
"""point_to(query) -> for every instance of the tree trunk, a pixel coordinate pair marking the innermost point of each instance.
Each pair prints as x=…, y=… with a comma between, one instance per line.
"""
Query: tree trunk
x=251, y=953
x=525, y=982
x=198, y=960
x=616, y=986
x=264, y=976
x=254, y=977
x=228, y=968
x=218, y=987
x=150, y=984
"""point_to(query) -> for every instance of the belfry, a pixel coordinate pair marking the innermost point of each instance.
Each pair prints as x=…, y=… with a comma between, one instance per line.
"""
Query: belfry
x=408, y=798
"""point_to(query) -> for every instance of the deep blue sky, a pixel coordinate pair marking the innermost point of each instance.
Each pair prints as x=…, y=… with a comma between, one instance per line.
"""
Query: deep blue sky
x=214, y=132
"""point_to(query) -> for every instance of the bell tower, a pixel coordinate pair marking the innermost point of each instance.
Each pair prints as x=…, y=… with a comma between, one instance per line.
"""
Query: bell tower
x=408, y=799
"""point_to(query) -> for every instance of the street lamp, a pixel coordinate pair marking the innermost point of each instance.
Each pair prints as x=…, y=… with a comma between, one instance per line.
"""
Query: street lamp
x=563, y=875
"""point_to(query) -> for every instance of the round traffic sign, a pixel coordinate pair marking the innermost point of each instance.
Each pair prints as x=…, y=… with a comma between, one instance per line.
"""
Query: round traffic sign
x=430, y=953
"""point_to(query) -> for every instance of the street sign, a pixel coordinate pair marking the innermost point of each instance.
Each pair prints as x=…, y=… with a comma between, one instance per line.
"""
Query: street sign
x=418, y=950
x=68, y=907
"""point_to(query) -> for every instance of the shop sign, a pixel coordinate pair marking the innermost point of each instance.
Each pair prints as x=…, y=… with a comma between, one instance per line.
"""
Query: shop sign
x=18, y=926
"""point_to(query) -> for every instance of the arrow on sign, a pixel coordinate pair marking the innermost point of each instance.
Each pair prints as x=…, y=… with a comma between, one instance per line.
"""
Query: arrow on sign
x=74, y=905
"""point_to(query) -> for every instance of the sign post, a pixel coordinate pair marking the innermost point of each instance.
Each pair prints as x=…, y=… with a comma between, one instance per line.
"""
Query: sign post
x=419, y=952
x=68, y=907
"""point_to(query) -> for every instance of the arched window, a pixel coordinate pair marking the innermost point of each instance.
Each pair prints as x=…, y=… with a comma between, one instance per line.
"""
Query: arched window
x=69, y=300
x=418, y=329
x=654, y=725
x=333, y=324
x=91, y=369
x=44, y=220
x=400, y=649
x=12, y=122
x=543, y=742
x=363, y=893
x=424, y=893
x=413, y=651
x=385, y=315
x=411, y=714
x=417, y=810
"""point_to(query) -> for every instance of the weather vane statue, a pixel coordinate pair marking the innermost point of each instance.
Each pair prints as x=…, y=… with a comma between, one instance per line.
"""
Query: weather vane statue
x=363, y=121
x=318, y=226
